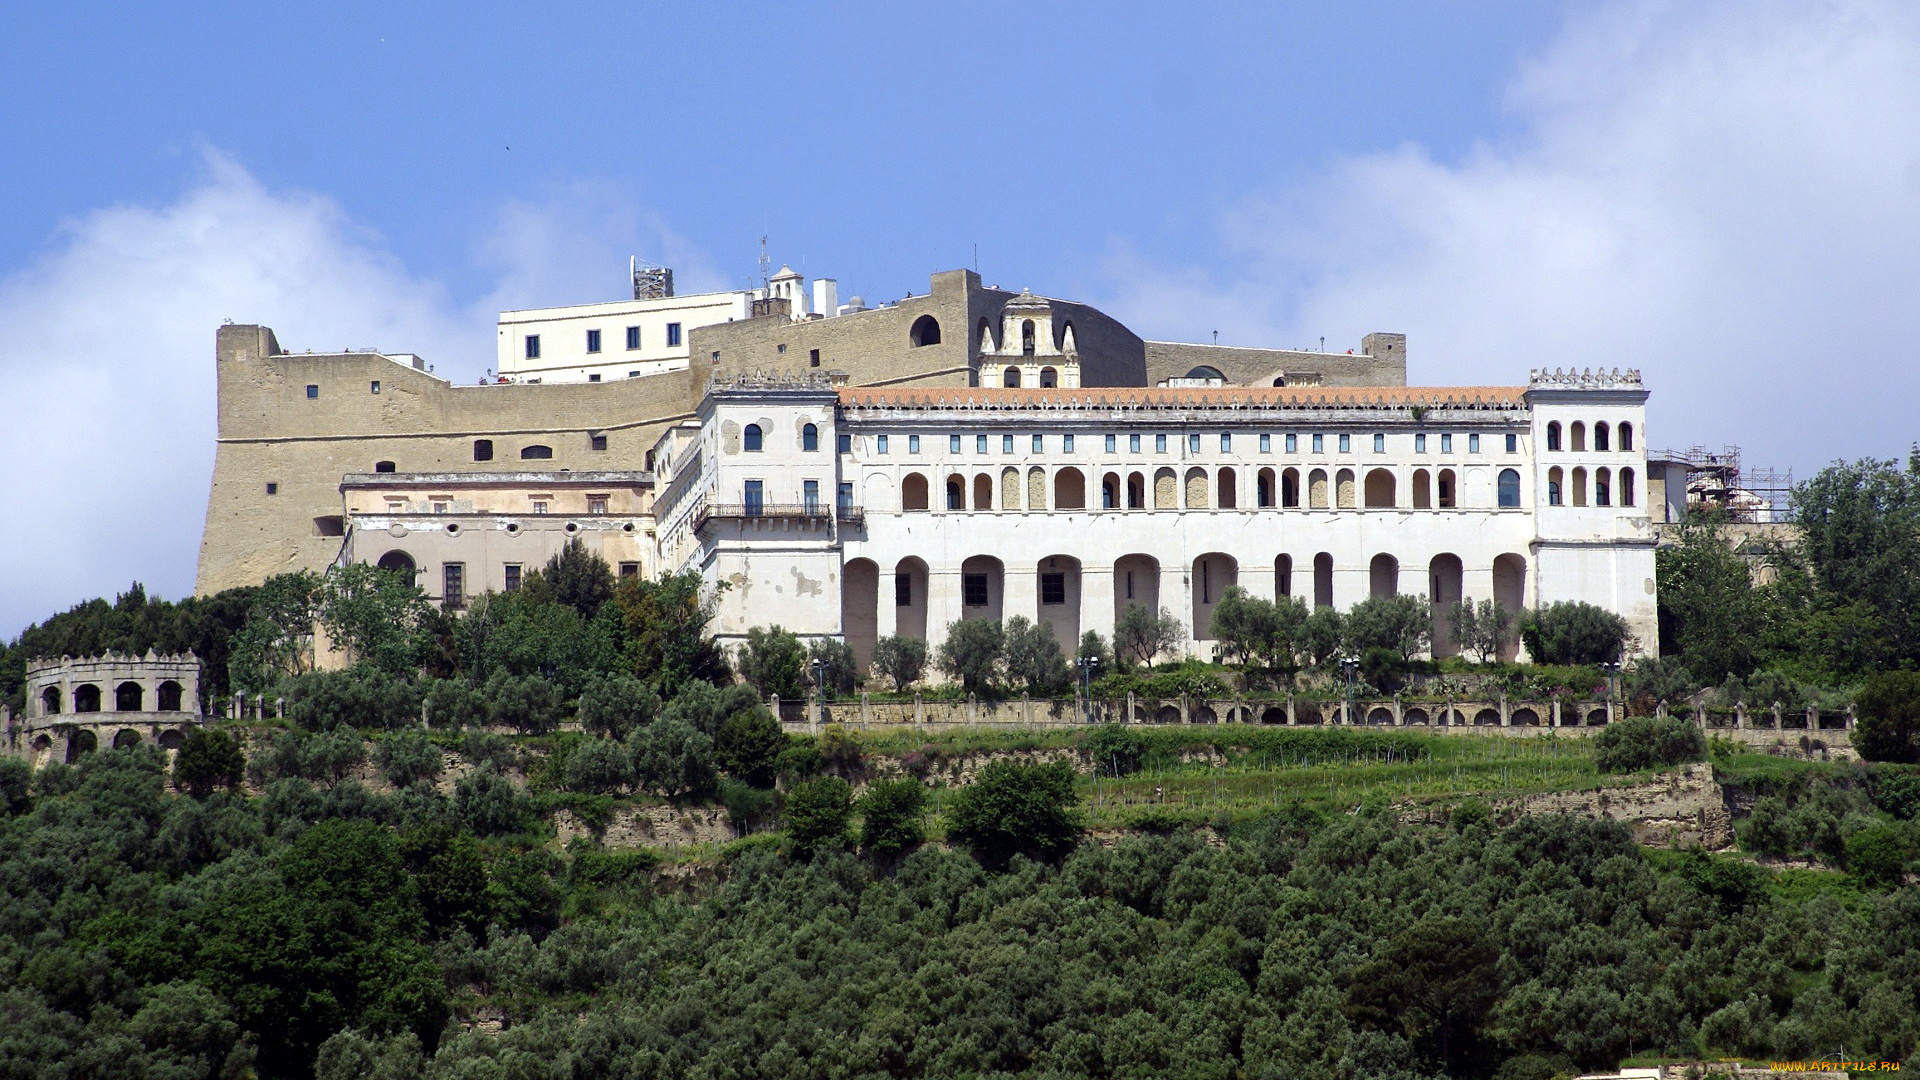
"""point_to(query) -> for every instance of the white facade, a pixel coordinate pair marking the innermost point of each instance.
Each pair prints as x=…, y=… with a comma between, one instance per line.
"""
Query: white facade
x=1066, y=504
x=627, y=339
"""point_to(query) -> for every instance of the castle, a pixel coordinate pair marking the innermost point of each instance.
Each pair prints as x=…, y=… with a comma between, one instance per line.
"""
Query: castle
x=855, y=472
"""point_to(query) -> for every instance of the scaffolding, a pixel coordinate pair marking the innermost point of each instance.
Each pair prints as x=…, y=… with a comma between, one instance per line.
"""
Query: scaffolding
x=1716, y=479
x=650, y=282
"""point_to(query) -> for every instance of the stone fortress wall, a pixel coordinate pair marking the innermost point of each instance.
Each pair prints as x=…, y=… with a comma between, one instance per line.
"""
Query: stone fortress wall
x=75, y=705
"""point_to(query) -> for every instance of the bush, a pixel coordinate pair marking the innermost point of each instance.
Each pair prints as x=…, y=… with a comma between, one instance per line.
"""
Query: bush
x=599, y=767
x=1033, y=657
x=1116, y=750
x=818, y=812
x=332, y=756
x=972, y=652
x=672, y=757
x=773, y=661
x=1888, y=727
x=453, y=704
x=901, y=659
x=890, y=816
x=1898, y=793
x=16, y=786
x=614, y=705
x=839, y=670
x=485, y=748
x=357, y=697
x=749, y=745
x=1400, y=624
x=487, y=804
x=1879, y=853
x=1014, y=808
x=1574, y=632
x=529, y=705
x=1644, y=742
x=406, y=757
x=747, y=806
x=207, y=760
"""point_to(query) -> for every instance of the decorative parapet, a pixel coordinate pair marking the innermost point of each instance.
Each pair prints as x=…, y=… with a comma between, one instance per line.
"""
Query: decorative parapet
x=779, y=380
x=1584, y=379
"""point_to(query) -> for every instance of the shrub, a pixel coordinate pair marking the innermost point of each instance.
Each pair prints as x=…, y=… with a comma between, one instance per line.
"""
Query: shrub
x=1015, y=808
x=1898, y=793
x=454, y=704
x=672, y=757
x=747, y=806
x=599, y=767
x=487, y=804
x=839, y=670
x=890, y=816
x=749, y=745
x=529, y=705
x=818, y=812
x=1574, y=632
x=1033, y=657
x=1643, y=742
x=16, y=786
x=1888, y=727
x=1879, y=853
x=901, y=659
x=408, y=756
x=614, y=705
x=773, y=661
x=972, y=652
x=1116, y=750
x=207, y=760
x=357, y=697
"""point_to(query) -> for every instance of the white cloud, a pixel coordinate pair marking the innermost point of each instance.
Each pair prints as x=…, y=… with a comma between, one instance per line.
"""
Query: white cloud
x=108, y=376
x=1726, y=196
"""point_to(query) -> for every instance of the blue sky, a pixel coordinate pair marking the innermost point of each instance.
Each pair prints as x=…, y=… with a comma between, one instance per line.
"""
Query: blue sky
x=1725, y=195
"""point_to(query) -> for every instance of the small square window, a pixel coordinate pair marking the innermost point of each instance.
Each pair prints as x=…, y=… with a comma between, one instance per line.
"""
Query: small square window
x=715, y=356
x=979, y=444
x=439, y=507
x=596, y=504
x=781, y=349
x=633, y=337
x=597, y=442
x=1420, y=443
x=273, y=488
x=1513, y=444
x=1473, y=444
x=844, y=442
x=1226, y=443
x=375, y=386
x=973, y=588
x=539, y=506
x=1319, y=444
x=1133, y=444
x=1113, y=444
x=1446, y=444
x=1159, y=444
x=1006, y=444
x=593, y=377
x=1266, y=444
x=593, y=341
x=1053, y=588
x=1379, y=444
x=1066, y=444
x=533, y=346
x=879, y=444
x=953, y=444
x=913, y=444
x=1039, y=444
x=629, y=569
x=313, y=391
x=673, y=334
x=1293, y=444
x=1346, y=444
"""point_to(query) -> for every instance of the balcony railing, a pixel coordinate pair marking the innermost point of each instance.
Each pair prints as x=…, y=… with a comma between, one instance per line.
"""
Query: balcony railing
x=779, y=511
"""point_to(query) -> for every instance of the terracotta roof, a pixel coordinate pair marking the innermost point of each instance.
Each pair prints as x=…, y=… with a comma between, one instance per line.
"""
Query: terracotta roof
x=1172, y=397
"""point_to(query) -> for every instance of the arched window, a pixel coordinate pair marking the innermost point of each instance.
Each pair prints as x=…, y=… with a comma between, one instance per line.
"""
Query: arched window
x=1049, y=378
x=1263, y=488
x=1026, y=338
x=1343, y=489
x=1626, y=487
x=810, y=437
x=50, y=701
x=1317, y=489
x=1554, y=480
x=1380, y=489
x=1010, y=378
x=536, y=452
x=983, y=491
x=1422, y=489
x=1626, y=437
x=1509, y=489
x=751, y=439
x=483, y=449
x=1110, y=492
x=86, y=698
x=1553, y=435
x=925, y=331
x=1290, y=488
x=168, y=696
x=956, y=494
x=1600, y=439
x=1136, y=491
x=1577, y=437
x=913, y=492
x=1279, y=380
x=1579, y=487
x=397, y=560
x=1448, y=490
x=129, y=696
x=1602, y=487
x=383, y=466
x=1206, y=371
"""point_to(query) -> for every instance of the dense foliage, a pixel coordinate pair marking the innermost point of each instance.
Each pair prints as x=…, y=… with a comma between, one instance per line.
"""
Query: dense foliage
x=1646, y=742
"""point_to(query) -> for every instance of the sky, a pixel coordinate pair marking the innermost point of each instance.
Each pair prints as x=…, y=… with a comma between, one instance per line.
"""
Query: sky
x=1724, y=195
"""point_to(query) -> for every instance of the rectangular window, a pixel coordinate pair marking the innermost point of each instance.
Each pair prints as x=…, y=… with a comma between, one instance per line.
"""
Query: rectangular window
x=813, y=357
x=673, y=334
x=595, y=377
x=1513, y=444
x=913, y=444
x=1159, y=444
x=633, y=337
x=1039, y=444
x=1053, y=588
x=453, y=583
x=1226, y=443
x=880, y=444
x=1379, y=444
x=1066, y=444
x=512, y=572
x=903, y=590
x=973, y=588
x=273, y=488
x=1346, y=444
x=439, y=507
x=1446, y=444
x=844, y=493
x=1133, y=444
x=597, y=442
x=753, y=495
x=539, y=506
x=979, y=444
x=1193, y=443
x=1129, y=584
x=533, y=346
x=810, y=496
x=376, y=386
x=953, y=444
x=843, y=442
x=1293, y=444
x=593, y=341
x=1266, y=444
x=1113, y=444
x=1473, y=444
x=313, y=391
x=629, y=569
x=781, y=349
x=596, y=504
x=1006, y=444
x=1319, y=444
x=1420, y=444
x=633, y=374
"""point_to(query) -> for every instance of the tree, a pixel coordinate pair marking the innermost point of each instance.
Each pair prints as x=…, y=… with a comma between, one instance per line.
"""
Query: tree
x=818, y=813
x=972, y=653
x=890, y=816
x=378, y=617
x=362, y=696
x=1879, y=853
x=530, y=706
x=666, y=630
x=900, y=658
x=615, y=705
x=836, y=662
x=407, y=757
x=1116, y=749
x=16, y=786
x=773, y=661
x=749, y=745
x=1436, y=981
x=453, y=704
x=1142, y=635
x=575, y=577
x=1574, y=632
x=1400, y=624
x=1485, y=629
x=1016, y=808
x=672, y=757
x=1716, y=617
x=449, y=876
x=1888, y=723
x=208, y=759
x=1859, y=528
x=1645, y=742
x=487, y=804
x=277, y=639
x=1033, y=658
x=599, y=767
x=1094, y=647
x=1321, y=635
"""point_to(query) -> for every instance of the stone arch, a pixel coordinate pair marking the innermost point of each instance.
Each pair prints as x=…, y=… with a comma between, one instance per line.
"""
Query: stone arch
x=1317, y=489
x=1600, y=440
x=1213, y=573
x=1603, y=486
x=42, y=749
x=913, y=491
x=1290, y=488
x=924, y=331
x=1205, y=371
x=1166, y=490
x=1196, y=489
x=538, y=452
x=1507, y=496
x=1422, y=489
x=1274, y=714
x=81, y=742
x=1264, y=495
x=1226, y=490
x=1415, y=715
x=1510, y=586
x=167, y=696
x=1282, y=576
x=1626, y=487
x=983, y=491
x=1308, y=712
x=1009, y=489
x=50, y=701
x=1136, y=582
x=1049, y=378
x=1168, y=714
x=860, y=608
x=1204, y=715
x=86, y=698
x=1069, y=489
x=1381, y=492
x=1487, y=717
x=982, y=577
x=1553, y=435
x=1036, y=488
x=1579, y=485
x=1323, y=580
x=1577, y=437
x=1596, y=717
x=397, y=560
x=1010, y=377
x=1626, y=436
x=910, y=618
x=1523, y=717
x=1057, y=599
x=1110, y=492
x=1136, y=491
x=126, y=739
x=1446, y=490
x=1380, y=714
x=956, y=493
x=1446, y=584
x=1343, y=489
x=129, y=696
x=172, y=738
x=1027, y=340
x=1383, y=576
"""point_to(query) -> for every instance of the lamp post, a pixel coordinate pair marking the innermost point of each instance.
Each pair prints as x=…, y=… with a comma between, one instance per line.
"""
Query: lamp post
x=1348, y=665
x=1612, y=668
x=820, y=680
x=1089, y=665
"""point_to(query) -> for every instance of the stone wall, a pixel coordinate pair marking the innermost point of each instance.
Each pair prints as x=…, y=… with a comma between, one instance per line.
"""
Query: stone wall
x=1258, y=367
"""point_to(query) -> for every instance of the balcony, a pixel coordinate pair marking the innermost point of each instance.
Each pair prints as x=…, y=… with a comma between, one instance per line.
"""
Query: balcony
x=804, y=512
